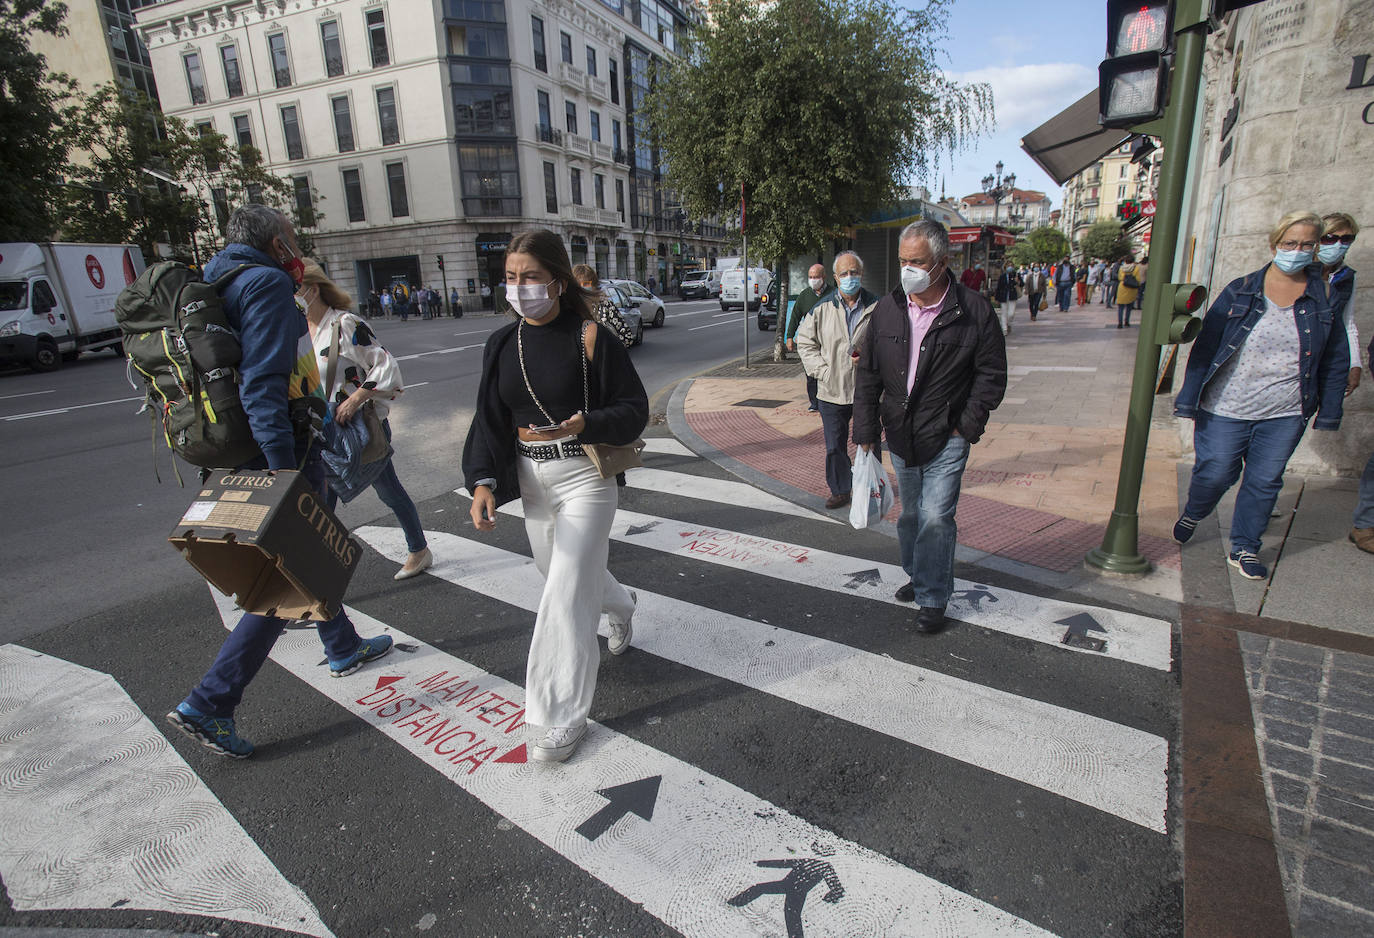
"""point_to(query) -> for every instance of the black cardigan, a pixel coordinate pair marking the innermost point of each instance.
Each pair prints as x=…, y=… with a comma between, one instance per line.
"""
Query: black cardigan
x=618, y=415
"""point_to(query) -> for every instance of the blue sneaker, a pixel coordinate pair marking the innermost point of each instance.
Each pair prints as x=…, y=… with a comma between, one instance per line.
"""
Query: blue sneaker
x=369, y=649
x=214, y=733
x=1248, y=564
x=1184, y=528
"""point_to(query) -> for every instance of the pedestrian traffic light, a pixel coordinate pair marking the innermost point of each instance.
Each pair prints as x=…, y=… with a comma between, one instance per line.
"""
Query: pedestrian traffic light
x=1181, y=324
x=440, y=259
x=1133, y=80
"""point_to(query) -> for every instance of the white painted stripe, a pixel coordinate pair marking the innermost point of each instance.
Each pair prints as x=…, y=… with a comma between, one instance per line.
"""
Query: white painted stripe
x=711, y=325
x=418, y=384
x=100, y=812
x=721, y=491
x=1117, y=769
x=439, y=351
x=703, y=840
x=9, y=397
x=666, y=445
x=1129, y=637
x=63, y=410
x=1027, y=369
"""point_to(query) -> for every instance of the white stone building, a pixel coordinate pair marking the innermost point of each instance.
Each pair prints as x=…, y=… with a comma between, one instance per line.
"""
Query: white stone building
x=1094, y=194
x=1022, y=208
x=420, y=128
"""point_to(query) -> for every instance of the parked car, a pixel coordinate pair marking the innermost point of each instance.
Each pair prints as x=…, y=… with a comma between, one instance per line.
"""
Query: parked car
x=650, y=307
x=628, y=311
x=768, y=307
x=732, y=287
x=700, y=284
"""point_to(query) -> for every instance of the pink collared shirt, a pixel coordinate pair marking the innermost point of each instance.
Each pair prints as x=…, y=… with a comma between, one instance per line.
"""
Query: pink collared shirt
x=921, y=317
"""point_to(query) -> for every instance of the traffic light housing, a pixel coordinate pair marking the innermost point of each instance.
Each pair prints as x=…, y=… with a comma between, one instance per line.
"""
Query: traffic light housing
x=440, y=259
x=1133, y=81
x=1181, y=324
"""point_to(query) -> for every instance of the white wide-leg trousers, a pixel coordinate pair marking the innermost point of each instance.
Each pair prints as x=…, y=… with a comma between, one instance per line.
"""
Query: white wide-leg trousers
x=568, y=513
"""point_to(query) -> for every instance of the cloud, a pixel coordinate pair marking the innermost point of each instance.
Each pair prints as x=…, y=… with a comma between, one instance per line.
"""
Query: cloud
x=1025, y=96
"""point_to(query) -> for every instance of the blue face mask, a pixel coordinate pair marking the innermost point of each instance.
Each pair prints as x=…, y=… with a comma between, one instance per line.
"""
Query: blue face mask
x=1332, y=254
x=1290, y=262
x=850, y=285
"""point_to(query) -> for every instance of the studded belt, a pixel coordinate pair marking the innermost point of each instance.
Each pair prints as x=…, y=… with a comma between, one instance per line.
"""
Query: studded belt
x=555, y=449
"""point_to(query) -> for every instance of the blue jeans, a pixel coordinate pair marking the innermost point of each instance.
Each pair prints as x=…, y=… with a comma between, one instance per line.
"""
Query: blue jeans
x=1063, y=293
x=1364, y=508
x=839, y=474
x=1123, y=314
x=251, y=641
x=1223, y=446
x=394, y=496
x=926, y=533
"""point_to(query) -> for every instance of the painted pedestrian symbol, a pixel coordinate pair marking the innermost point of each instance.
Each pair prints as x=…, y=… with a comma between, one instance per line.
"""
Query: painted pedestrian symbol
x=803, y=876
x=1077, y=634
x=632, y=797
x=973, y=597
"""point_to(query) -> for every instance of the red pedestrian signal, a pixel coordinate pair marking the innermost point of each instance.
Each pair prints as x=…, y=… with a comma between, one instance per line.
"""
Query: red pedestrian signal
x=1133, y=80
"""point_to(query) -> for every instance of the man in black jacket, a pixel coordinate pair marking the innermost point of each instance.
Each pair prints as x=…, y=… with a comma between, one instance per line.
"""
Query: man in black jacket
x=932, y=368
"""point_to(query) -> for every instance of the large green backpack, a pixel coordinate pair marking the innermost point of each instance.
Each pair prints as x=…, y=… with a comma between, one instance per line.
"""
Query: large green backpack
x=178, y=339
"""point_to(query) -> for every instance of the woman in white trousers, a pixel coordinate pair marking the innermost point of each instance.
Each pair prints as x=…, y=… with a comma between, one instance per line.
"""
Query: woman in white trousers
x=554, y=382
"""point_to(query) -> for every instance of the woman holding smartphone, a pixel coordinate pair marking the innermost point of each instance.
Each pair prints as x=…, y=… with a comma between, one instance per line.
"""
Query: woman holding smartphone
x=553, y=381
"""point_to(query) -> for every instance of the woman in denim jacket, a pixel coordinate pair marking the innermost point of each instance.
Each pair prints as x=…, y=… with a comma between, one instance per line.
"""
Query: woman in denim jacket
x=1270, y=355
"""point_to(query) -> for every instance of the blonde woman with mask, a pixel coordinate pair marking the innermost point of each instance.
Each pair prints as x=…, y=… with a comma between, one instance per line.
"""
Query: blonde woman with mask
x=365, y=372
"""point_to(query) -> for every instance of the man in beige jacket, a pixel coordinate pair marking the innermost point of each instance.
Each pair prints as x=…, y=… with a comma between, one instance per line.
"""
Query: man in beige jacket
x=828, y=341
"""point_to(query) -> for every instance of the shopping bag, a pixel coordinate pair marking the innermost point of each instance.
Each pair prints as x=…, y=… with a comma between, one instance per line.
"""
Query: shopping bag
x=872, y=498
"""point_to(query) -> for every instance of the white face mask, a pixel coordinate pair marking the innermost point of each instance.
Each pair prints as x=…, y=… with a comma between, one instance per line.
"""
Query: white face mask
x=531, y=300
x=915, y=280
x=816, y=283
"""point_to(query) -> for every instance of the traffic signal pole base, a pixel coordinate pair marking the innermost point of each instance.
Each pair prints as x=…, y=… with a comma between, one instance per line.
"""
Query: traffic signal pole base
x=1118, y=552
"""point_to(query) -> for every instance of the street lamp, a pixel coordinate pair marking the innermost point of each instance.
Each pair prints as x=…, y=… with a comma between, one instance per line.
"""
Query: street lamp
x=998, y=187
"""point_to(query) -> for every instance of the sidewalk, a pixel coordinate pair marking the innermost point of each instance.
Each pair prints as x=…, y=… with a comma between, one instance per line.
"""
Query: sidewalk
x=1277, y=700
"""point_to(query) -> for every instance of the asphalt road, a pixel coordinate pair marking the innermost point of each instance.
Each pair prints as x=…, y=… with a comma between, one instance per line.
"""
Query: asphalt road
x=86, y=518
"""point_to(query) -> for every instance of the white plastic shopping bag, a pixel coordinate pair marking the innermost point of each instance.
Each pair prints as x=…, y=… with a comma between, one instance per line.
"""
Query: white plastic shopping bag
x=872, y=490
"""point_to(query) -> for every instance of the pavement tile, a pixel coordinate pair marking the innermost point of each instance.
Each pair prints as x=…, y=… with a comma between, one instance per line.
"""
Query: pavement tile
x=1348, y=748
x=1320, y=919
x=1347, y=810
x=1339, y=842
x=1328, y=877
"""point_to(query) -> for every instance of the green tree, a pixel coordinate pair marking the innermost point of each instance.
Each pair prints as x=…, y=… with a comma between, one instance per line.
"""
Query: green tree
x=1104, y=240
x=820, y=109
x=33, y=111
x=154, y=179
x=1042, y=246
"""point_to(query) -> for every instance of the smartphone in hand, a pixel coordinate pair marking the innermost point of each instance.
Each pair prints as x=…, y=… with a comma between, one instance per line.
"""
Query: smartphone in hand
x=547, y=428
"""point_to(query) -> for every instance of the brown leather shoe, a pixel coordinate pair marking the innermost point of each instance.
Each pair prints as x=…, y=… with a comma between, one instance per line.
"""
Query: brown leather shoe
x=1363, y=538
x=837, y=501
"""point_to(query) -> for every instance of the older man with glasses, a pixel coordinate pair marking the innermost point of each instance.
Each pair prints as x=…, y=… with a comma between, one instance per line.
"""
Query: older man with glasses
x=828, y=341
x=931, y=370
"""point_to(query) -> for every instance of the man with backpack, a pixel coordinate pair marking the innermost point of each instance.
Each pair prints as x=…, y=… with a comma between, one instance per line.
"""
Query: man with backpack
x=281, y=393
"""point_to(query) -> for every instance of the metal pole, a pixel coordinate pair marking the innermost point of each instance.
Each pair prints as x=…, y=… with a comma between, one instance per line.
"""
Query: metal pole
x=443, y=278
x=1119, y=552
x=745, y=261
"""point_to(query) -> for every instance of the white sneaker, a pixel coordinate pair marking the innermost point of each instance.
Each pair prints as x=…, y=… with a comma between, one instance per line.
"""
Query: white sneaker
x=622, y=632
x=558, y=743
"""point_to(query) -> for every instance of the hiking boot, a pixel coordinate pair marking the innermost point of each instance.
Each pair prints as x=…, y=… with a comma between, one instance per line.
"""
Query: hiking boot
x=621, y=632
x=214, y=733
x=1363, y=538
x=1248, y=564
x=558, y=743
x=416, y=564
x=369, y=649
x=1184, y=528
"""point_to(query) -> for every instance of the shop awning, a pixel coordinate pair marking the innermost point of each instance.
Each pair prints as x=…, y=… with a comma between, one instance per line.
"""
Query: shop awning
x=965, y=235
x=1003, y=237
x=1072, y=140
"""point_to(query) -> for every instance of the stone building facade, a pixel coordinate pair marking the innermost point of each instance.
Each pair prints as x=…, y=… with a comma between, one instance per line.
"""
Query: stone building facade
x=1287, y=122
x=416, y=129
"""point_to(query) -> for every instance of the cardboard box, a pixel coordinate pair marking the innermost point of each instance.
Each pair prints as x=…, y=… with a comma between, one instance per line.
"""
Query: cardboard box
x=268, y=540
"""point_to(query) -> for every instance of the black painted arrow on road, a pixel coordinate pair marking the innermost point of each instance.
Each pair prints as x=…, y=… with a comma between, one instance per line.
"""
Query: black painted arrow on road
x=1079, y=625
x=637, y=797
x=861, y=577
x=634, y=529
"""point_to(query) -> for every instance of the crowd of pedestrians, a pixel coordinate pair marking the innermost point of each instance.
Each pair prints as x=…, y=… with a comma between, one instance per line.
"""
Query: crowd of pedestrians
x=921, y=367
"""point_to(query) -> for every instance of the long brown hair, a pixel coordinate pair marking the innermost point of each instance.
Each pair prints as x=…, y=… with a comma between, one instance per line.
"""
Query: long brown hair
x=334, y=296
x=547, y=248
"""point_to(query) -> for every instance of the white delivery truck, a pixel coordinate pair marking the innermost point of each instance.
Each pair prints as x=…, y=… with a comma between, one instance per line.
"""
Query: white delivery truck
x=57, y=300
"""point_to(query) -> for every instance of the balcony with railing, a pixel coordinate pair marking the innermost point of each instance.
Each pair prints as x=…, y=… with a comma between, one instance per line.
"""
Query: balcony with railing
x=584, y=213
x=608, y=217
x=573, y=143
x=572, y=76
x=548, y=136
x=622, y=156
x=601, y=151
x=598, y=87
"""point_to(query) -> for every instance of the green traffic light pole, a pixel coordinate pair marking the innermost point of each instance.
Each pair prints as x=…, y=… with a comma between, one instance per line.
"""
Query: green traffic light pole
x=1120, y=551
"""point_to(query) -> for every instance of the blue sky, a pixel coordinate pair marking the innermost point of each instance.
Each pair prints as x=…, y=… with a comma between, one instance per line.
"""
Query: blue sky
x=1039, y=58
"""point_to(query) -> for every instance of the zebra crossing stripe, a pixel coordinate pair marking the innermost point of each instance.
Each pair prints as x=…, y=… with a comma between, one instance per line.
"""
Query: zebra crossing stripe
x=667, y=445
x=100, y=812
x=698, y=863
x=1113, y=768
x=724, y=491
x=1129, y=637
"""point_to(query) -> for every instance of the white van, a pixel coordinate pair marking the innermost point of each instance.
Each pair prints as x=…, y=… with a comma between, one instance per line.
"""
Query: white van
x=732, y=287
x=57, y=300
